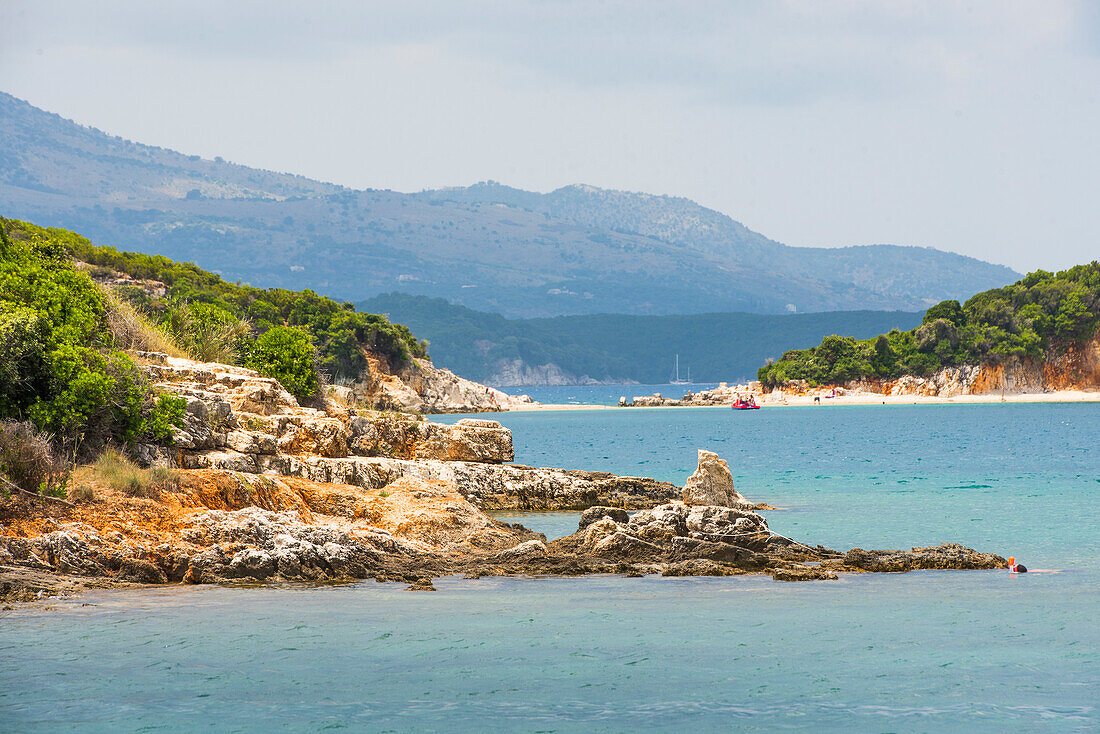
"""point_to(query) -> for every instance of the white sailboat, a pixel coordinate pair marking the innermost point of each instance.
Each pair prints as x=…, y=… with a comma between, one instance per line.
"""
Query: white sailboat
x=677, y=380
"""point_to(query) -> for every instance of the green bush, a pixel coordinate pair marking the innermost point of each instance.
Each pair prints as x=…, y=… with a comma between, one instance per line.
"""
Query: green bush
x=286, y=354
x=207, y=332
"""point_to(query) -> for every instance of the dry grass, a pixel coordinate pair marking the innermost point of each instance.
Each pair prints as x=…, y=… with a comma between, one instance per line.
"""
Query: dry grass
x=131, y=330
x=81, y=493
x=340, y=397
x=122, y=475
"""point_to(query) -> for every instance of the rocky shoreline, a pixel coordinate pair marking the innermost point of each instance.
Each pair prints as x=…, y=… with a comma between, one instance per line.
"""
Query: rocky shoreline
x=265, y=490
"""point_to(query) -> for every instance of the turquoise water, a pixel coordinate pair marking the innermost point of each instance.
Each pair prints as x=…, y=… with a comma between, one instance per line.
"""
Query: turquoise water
x=925, y=651
x=603, y=394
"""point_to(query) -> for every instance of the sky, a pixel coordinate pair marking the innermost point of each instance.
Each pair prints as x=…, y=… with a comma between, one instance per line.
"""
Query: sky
x=966, y=126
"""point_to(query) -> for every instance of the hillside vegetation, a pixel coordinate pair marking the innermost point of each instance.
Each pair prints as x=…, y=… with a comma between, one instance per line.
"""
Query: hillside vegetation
x=577, y=250
x=273, y=330
x=337, y=329
x=615, y=348
x=61, y=368
x=1036, y=317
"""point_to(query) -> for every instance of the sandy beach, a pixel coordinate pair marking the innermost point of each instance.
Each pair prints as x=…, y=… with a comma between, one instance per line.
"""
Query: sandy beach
x=767, y=401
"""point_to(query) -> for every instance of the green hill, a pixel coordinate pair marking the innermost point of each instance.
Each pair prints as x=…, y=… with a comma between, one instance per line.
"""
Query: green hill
x=1038, y=317
x=615, y=348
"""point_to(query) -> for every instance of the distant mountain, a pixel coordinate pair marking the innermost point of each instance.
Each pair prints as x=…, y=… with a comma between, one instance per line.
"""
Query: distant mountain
x=616, y=348
x=576, y=250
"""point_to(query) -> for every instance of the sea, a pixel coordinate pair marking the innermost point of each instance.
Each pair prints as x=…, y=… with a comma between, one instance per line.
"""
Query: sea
x=926, y=651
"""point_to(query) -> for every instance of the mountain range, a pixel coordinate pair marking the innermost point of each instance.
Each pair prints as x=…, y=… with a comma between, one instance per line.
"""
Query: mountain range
x=576, y=250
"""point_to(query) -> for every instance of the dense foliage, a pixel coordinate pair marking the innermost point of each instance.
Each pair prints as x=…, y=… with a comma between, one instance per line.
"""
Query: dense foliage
x=620, y=347
x=58, y=365
x=285, y=353
x=206, y=313
x=1041, y=313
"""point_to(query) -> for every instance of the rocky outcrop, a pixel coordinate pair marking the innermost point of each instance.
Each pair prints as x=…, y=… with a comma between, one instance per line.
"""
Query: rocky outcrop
x=491, y=487
x=421, y=387
x=219, y=526
x=268, y=490
x=236, y=410
x=239, y=421
x=944, y=556
x=722, y=395
x=222, y=526
x=712, y=483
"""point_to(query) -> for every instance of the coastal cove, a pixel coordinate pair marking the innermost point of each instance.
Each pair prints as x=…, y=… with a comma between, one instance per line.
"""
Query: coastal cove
x=868, y=476
x=973, y=650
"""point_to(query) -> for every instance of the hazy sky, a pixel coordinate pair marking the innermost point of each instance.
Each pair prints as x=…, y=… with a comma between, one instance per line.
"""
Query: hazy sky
x=967, y=126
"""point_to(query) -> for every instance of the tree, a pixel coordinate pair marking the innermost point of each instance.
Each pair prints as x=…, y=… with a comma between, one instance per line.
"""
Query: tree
x=286, y=353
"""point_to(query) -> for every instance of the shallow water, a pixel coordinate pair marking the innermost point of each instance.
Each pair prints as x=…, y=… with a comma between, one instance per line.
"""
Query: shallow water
x=924, y=651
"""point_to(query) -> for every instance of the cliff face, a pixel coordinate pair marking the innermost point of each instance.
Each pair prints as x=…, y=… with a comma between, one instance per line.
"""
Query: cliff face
x=421, y=387
x=518, y=372
x=1076, y=367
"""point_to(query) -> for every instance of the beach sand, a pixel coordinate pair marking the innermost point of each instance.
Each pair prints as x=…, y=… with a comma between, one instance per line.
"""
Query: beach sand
x=767, y=401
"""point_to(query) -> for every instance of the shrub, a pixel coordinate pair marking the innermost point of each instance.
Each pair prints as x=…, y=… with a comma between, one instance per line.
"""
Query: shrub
x=286, y=354
x=81, y=493
x=28, y=460
x=207, y=332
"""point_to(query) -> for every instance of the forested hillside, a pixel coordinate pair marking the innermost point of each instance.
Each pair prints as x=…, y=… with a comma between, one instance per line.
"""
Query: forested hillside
x=1038, y=317
x=615, y=348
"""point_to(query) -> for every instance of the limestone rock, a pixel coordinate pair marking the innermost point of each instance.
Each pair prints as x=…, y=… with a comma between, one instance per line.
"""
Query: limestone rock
x=803, y=573
x=421, y=387
x=526, y=551
x=626, y=547
x=598, y=531
x=699, y=567
x=469, y=439
x=712, y=483
x=688, y=548
x=592, y=514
